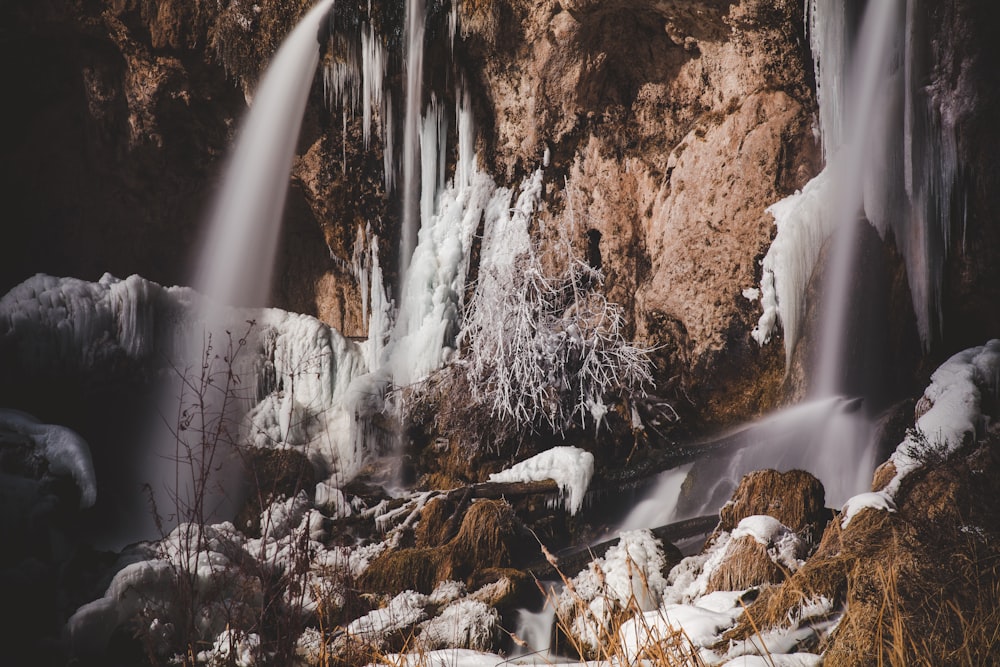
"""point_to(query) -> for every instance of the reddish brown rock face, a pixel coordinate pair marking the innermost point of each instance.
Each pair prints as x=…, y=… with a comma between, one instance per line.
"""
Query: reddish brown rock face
x=671, y=127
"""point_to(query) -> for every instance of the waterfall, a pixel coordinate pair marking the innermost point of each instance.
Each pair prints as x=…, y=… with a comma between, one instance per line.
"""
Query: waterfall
x=415, y=19
x=861, y=145
x=192, y=468
x=860, y=75
x=237, y=257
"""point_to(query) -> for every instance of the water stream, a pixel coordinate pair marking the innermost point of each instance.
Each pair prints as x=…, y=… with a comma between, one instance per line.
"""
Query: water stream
x=415, y=20
x=192, y=472
x=829, y=435
x=236, y=262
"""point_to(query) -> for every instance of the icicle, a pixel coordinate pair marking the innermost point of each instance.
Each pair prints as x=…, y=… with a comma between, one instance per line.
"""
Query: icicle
x=359, y=268
x=380, y=320
x=433, y=138
x=373, y=60
x=388, y=157
x=466, y=140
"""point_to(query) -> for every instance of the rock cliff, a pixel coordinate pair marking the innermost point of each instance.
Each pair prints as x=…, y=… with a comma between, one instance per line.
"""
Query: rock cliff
x=669, y=126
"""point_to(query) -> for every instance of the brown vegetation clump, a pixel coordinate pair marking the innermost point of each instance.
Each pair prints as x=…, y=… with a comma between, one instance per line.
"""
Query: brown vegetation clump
x=434, y=519
x=747, y=564
x=273, y=474
x=917, y=586
x=795, y=498
x=486, y=539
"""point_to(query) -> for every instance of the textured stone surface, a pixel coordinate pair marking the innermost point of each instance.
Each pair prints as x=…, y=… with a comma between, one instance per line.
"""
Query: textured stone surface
x=669, y=144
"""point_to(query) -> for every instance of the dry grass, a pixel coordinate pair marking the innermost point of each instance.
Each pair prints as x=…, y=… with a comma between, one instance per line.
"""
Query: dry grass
x=747, y=565
x=664, y=645
x=795, y=498
x=484, y=540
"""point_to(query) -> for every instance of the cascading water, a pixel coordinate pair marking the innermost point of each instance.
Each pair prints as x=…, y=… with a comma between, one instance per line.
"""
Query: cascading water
x=415, y=21
x=190, y=468
x=237, y=257
x=861, y=145
x=860, y=81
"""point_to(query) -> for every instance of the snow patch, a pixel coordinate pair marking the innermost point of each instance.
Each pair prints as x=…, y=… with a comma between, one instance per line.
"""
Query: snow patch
x=954, y=419
x=466, y=623
x=570, y=467
x=877, y=500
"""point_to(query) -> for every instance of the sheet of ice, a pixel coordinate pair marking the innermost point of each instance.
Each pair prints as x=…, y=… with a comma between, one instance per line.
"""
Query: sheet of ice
x=570, y=467
x=804, y=222
x=65, y=451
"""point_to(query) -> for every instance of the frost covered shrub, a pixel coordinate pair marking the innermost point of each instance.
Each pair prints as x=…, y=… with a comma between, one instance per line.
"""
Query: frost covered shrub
x=543, y=347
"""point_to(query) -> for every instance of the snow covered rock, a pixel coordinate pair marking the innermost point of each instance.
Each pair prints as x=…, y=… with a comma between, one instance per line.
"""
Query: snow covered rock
x=570, y=467
x=465, y=623
x=627, y=579
x=63, y=451
x=759, y=551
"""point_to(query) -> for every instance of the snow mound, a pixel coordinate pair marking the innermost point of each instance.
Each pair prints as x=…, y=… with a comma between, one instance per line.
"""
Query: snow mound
x=570, y=467
x=954, y=419
x=783, y=546
x=629, y=574
x=466, y=623
x=403, y=611
x=876, y=500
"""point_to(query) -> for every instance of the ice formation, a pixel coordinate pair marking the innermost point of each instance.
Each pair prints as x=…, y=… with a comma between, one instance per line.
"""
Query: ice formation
x=569, y=467
x=906, y=157
x=64, y=450
x=804, y=222
x=306, y=378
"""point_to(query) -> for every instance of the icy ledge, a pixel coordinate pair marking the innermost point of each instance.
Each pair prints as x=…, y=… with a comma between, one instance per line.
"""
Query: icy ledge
x=804, y=222
x=65, y=451
x=305, y=382
x=954, y=419
x=569, y=467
